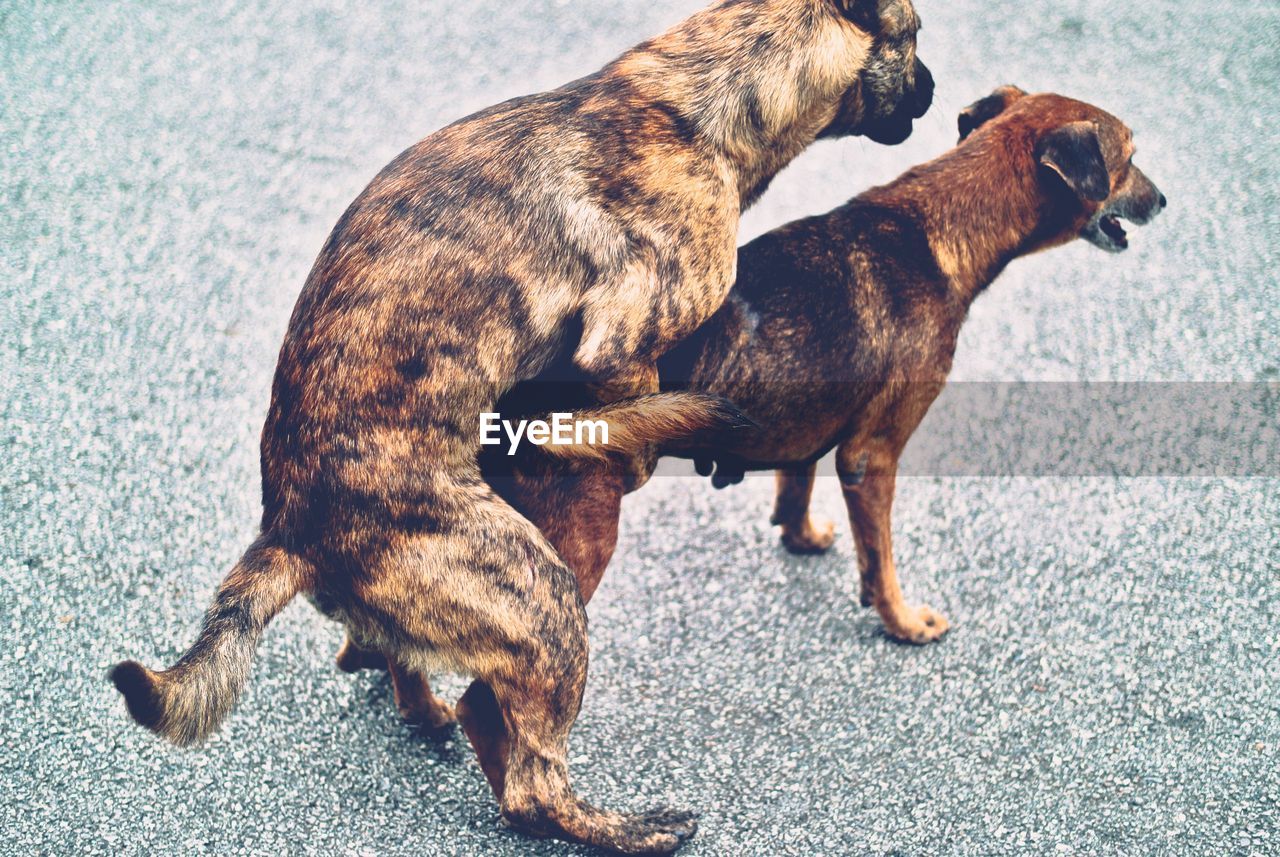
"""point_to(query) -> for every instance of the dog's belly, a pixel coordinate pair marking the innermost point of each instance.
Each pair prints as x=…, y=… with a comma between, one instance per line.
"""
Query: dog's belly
x=781, y=439
x=798, y=420
x=780, y=450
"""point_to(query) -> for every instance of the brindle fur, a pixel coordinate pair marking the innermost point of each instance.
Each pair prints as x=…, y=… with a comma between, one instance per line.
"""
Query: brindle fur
x=841, y=329
x=596, y=221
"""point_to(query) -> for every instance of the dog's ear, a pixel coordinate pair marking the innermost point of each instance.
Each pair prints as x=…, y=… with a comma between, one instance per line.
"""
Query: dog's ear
x=984, y=110
x=1074, y=154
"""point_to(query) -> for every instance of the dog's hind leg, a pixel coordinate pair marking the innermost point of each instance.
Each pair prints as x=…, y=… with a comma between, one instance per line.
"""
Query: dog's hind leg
x=868, y=475
x=414, y=699
x=800, y=534
x=498, y=604
x=577, y=507
x=539, y=702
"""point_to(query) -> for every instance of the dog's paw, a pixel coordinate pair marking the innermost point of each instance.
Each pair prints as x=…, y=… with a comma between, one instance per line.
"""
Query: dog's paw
x=659, y=831
x=918, y=624
x=431, y=715
x=811, y=537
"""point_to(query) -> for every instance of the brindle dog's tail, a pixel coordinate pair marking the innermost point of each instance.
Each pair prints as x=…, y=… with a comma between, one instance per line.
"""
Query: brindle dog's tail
x=188, y=701
x=655, y=420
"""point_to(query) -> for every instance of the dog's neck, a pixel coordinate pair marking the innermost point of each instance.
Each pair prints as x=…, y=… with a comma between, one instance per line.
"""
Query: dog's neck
x=981, y=205
x=755, y=161
x=757, y=111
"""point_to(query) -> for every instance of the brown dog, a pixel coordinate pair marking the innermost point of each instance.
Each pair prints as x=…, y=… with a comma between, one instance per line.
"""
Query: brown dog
x=841, y=330
x=599, y=221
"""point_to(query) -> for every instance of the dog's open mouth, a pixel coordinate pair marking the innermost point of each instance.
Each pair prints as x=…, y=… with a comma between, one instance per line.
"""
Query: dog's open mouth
x=1105, y=231
x=1110, y=225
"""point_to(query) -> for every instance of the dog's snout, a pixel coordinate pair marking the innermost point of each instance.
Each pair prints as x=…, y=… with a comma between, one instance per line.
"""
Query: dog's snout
x=924, y=89
x=1141, y=200
x=1156, y=200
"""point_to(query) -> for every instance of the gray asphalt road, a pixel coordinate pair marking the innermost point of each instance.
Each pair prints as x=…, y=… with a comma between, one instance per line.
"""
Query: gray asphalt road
x=1111, y=685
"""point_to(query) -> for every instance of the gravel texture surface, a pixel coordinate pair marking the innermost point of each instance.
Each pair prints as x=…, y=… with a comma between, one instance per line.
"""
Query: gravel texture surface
x=1112, y=683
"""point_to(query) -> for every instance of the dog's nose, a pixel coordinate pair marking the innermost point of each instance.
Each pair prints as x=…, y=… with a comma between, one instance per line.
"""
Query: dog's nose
x=1163, y=201
x=924, y=89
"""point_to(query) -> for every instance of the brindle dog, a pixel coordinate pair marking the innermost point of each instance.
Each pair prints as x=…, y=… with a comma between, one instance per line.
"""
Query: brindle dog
x=597, y=220
x=841, y=329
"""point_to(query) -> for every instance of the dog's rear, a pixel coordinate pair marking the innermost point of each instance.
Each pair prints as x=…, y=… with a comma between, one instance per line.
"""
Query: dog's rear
x=188, y=701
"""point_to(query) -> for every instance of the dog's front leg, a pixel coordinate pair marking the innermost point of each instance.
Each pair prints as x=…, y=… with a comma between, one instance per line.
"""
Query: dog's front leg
x=415, y=701
x=636, y=379
x=868, y=473
x=800, y=533
x=353, y=658
x=676, y=279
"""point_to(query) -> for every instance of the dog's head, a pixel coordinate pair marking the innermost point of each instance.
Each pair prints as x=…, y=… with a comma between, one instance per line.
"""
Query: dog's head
x=892, y=87
x=1083, y=157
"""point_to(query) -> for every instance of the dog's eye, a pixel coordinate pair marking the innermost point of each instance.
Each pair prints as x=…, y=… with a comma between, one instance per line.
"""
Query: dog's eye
x=864, y=13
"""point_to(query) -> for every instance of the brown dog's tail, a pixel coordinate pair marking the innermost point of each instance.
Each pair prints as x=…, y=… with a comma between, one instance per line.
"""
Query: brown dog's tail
x=653, y=420
x=188, y=701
